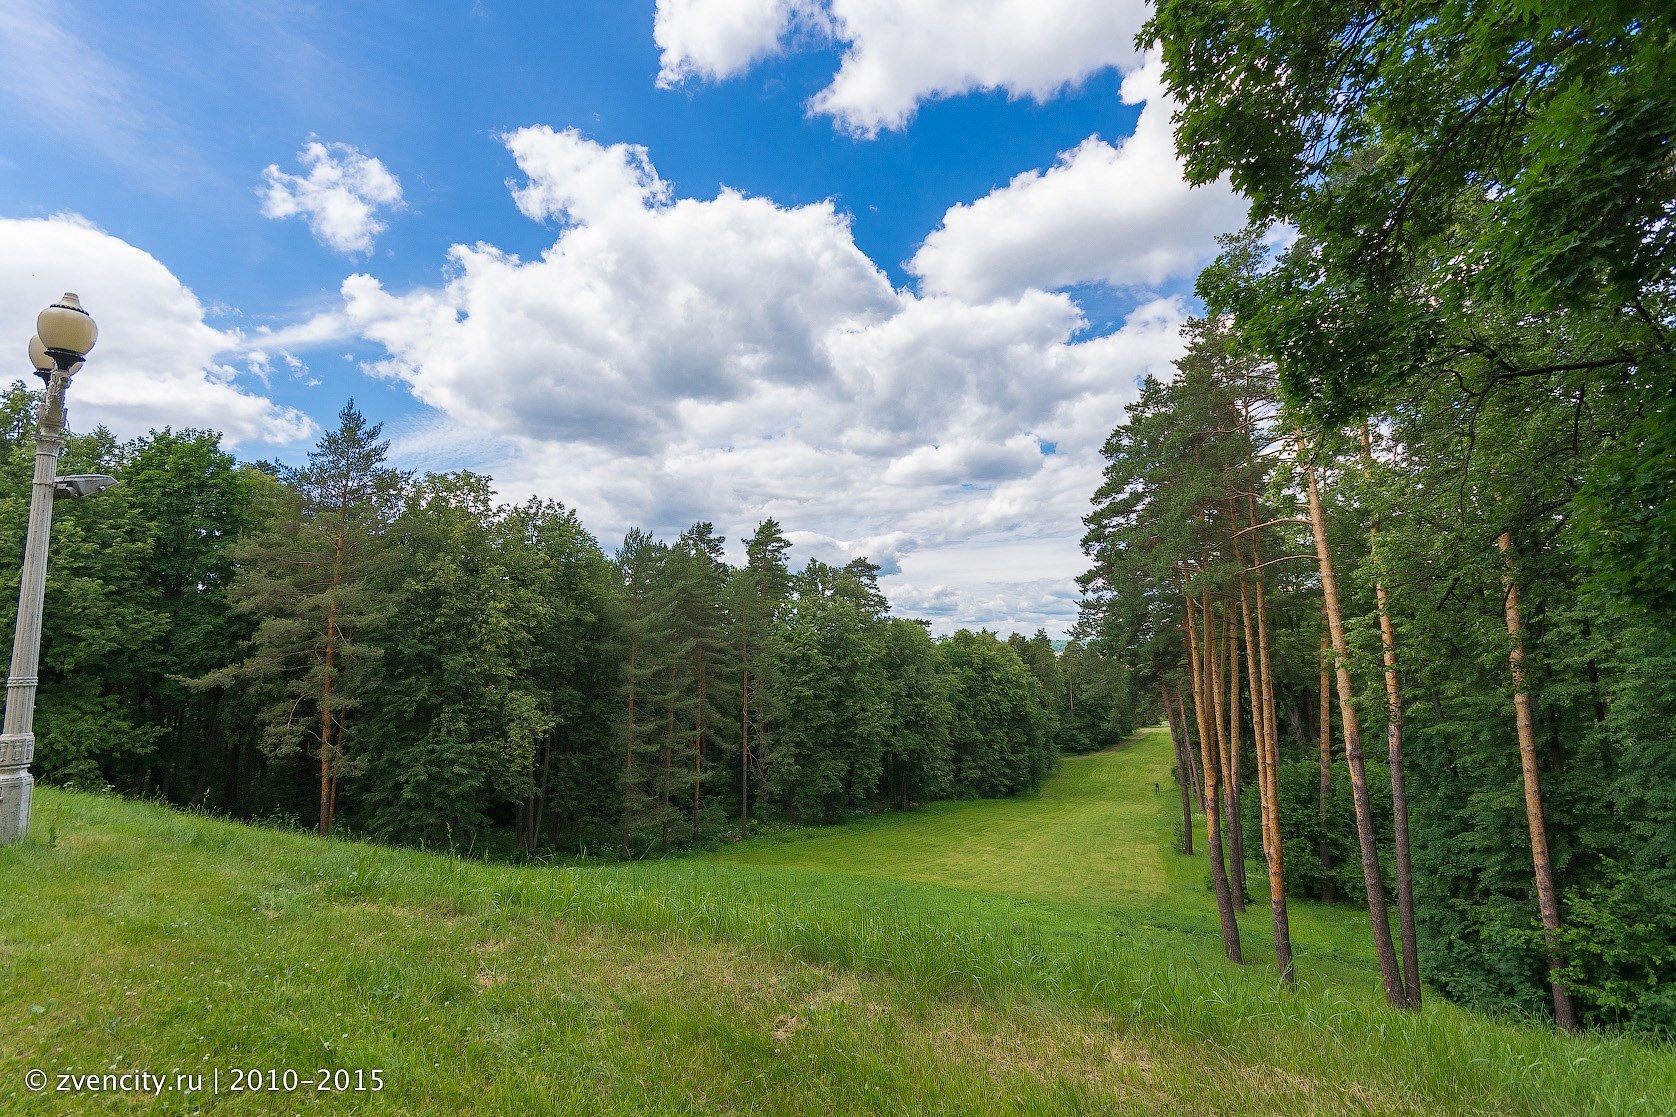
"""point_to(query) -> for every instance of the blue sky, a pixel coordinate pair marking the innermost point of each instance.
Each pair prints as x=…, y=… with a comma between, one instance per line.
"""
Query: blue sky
x=886, y=271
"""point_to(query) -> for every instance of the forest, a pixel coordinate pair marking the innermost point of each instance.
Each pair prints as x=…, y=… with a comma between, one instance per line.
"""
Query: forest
x=1411, y=481
x=352, y=648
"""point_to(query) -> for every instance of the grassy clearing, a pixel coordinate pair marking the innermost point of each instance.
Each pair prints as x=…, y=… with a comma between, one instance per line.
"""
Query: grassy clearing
x=735, y=984
x=1092, y=851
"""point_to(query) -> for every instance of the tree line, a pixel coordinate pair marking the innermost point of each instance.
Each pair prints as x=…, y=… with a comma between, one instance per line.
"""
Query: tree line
x=346, y=645
x=1413, y=479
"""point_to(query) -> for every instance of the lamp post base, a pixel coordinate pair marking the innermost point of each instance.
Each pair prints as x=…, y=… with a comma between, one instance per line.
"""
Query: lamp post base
x=17, y=786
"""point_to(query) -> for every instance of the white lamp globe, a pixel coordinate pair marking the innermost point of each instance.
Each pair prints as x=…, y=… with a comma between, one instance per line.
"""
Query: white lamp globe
x=38, y=358
x=66, y=329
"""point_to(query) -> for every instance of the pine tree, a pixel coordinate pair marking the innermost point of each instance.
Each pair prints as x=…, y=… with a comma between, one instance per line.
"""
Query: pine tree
x=308, y=578
x=697, y=582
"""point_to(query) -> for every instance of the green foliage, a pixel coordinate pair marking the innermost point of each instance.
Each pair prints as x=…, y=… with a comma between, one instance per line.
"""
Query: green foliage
x=1483, y=193
x=453, y=722
x=918, y=704
x=1619, y=943
x=1000, y=731
x=307, y=577
x=1098, y=707
x=1302, y=832
x=830, y=749
x=1624, y=518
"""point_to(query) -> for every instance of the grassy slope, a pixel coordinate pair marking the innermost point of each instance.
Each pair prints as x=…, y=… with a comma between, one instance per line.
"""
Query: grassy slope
x=1092, y=852
x=1040, y=956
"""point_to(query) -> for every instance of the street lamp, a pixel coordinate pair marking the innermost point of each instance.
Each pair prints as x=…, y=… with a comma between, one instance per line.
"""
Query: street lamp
x=63, y=335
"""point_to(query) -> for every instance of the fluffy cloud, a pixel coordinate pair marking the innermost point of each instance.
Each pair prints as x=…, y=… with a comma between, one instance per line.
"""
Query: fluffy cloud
x=340, y=195
x=645, y=314
x=577, y=180
x=158, y=362
x=716, y=39
x=899, y=53
x=671, y=359
x=1113, y=213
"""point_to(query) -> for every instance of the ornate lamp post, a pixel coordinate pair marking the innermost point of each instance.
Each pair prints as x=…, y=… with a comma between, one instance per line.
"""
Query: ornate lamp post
x=64, y=334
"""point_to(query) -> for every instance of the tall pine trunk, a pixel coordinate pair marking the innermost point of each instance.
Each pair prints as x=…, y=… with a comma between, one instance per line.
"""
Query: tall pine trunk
x=1547, y=897
x=337, y=771
x=1265, y=723
x=1268, y=800
x=1377, y=913
x=326, y=724
x=230, y=771
x=538, y=799
x=327, y=763
x=1324, y=726
x=1201, y=654
x=1231, y=754
x=1394, y=758
x=1271, y=718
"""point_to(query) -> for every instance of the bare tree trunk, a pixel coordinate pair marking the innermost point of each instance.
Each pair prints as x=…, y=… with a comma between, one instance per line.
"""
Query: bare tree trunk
x=201, y=784
x=1184, y=774
x=1271, y=719
x=230, y=776
x=1203, y=672
x=1547, y=898
x=251, y=762
x=328, y=763
x=1236, y=825
x=1329, y=890
x=1268, y=802
x=1377, y=913
x=1268, y=736
x=1393, y=756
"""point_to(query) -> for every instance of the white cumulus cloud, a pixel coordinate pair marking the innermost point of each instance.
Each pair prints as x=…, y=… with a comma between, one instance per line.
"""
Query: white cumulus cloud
x=716, y=39
x=574, y=179
x=157, y=362
x=340, y=195
x=670, y=359
x=901, y=53
x=1117, y=213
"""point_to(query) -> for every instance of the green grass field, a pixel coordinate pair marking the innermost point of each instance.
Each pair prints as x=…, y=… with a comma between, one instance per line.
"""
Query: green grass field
x=1090, y=853
x=1045, y=955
